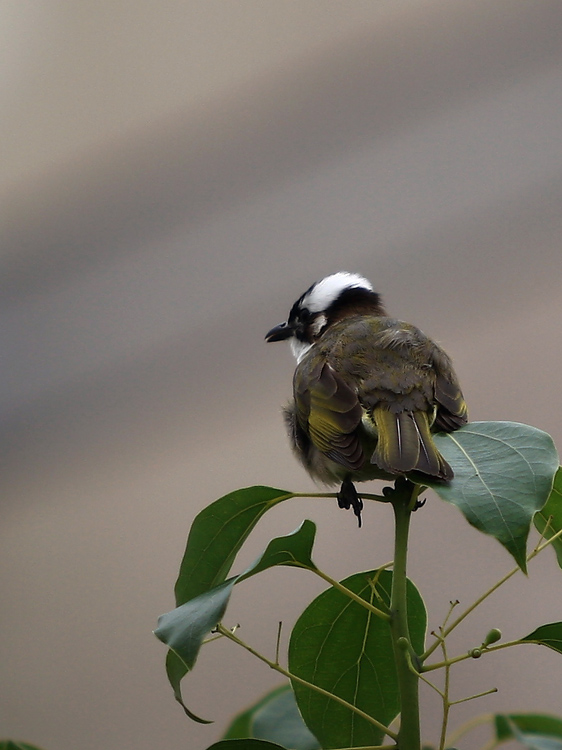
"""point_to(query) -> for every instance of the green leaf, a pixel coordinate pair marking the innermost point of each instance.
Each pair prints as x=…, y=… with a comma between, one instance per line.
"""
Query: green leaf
x=216, y=535
x=185, y=628
x=176, y=671
x=245, y=745
x=503, y=476
x=276, y=718
x=543, y=724
x=14, y=745
x=549, y=519
x=538, y=742
x=241, y=726
x=534, y=731
x=341, y=647
x=293, y=550
x=547, y=635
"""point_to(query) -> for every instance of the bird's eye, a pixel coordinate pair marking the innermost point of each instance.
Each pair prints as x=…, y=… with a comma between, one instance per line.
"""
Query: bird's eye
x=304, y=315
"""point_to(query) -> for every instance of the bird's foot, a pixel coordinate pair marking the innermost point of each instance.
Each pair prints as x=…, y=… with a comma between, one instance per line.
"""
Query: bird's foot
x=419, y=504
x=349, y=498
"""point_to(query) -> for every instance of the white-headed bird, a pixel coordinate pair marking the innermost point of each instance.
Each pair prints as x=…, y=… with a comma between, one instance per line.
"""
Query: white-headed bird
x=368, y=390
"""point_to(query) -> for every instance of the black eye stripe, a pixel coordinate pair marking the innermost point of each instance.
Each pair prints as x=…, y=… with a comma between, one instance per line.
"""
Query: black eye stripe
x=302, y=314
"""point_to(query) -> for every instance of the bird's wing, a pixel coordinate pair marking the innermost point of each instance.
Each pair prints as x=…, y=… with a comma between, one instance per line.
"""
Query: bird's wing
x=416, y=373
x=329, y=412
x=452, y=411
x=401, y=387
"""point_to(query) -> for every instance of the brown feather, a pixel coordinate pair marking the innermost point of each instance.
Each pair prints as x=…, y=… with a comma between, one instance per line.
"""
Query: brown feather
x=367, y=396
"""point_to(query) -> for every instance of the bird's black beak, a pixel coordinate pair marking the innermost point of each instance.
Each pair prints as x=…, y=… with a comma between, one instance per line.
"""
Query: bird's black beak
x=280, y=333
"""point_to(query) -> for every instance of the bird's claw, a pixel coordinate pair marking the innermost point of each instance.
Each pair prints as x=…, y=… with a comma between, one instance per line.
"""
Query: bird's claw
x=419, y=504
x=349, y=498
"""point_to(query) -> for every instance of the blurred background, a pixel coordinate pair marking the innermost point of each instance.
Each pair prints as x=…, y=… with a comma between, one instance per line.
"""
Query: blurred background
x=174, y=175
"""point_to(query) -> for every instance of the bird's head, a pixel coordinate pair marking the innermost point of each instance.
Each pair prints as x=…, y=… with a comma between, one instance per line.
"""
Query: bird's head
x=334, y=297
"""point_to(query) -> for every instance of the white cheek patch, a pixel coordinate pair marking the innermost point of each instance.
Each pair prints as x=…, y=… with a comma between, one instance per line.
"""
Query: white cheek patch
x=319, y=323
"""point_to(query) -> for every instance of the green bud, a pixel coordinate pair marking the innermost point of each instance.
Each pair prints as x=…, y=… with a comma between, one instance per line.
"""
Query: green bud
x=476, y=653
x=493, y=636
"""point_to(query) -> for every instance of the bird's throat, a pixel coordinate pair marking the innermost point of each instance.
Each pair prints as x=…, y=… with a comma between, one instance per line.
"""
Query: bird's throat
x=299, y=348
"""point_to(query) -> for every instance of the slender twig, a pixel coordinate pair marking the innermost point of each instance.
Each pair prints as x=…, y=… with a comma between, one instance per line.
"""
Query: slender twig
x=540, y=547
x=430, y=684
x=420, y=676
x=472, y=697
x=443, y=664
x=468, y=727
x=537, y=549
x=543, y=532
x=447, y=684
x=374, y=581
x=278, y=643
x=452, y=605
x=352, y=595
x=364, y=496
x=468, y=610
x=294, y=678
x=462, y=657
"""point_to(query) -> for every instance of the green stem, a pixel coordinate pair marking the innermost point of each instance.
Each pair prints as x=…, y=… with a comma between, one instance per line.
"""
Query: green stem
x=352, y=595
x=278, y=668
x=470, y=609
x=328, y=495
x=409, y=733
x=538, y=548
x=446, y=701
x=463, y=657
x=453, y=738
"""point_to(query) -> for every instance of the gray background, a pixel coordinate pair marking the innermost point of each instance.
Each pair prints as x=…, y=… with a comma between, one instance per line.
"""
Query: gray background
x=174, y=175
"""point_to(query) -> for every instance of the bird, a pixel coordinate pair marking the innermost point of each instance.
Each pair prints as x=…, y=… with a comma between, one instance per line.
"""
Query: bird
x=369, y=390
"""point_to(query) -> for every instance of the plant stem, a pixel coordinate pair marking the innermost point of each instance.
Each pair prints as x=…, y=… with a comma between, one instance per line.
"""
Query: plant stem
x=463, y=657
x=364, y=495
x=446, y=701
x=538, y=548
x=352, y=595
x=409, y=733
x=470, y=609
x=278, y=668
x=471, y=724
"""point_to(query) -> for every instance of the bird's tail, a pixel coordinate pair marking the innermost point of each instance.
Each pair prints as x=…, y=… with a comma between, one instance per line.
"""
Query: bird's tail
x=405, y=444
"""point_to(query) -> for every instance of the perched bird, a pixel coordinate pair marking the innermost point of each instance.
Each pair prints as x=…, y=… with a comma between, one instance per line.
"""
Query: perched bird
x=368, y=390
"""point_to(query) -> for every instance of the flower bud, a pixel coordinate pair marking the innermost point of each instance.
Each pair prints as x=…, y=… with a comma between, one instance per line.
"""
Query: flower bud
x=493, y=636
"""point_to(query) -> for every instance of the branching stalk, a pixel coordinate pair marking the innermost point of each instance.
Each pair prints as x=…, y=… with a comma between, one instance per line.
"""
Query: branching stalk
x=538, y=548
x=278, y=668
x=446, y=702
x=463, y=657
x=352, y=595
x=453, y=738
